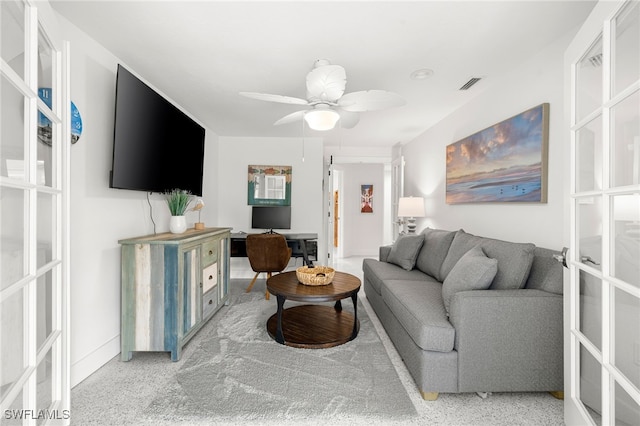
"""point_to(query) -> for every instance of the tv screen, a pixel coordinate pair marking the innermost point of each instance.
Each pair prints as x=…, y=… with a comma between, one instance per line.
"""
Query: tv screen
x=156, y=147
x=268, y=217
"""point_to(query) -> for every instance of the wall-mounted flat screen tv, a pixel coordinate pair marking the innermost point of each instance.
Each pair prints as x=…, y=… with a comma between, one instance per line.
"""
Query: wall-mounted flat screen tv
x=271, y=217
x=156, y=147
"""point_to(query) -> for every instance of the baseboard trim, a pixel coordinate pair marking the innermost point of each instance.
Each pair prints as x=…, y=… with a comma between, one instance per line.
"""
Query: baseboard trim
x=90, y=363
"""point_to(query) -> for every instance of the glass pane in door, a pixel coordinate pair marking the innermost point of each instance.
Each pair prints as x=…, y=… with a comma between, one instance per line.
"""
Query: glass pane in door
x=45, y=64
x=589, y=81
x=12, y=249
x=590, y=305
x=591, y=385
x=12, y=34
x=625, y=156
x=589, y=156
x=44, y=308
x=625, y=234
x=627, y=410
x=589, y=217
x=626, y=53
x=12, y=134
x=44, y=383
x=11, y=340
x=46, y=214
x=627, y=336
x=45, y=149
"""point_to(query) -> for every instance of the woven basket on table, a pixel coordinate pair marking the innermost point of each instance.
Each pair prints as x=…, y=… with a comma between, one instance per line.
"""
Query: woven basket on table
x=318, y=275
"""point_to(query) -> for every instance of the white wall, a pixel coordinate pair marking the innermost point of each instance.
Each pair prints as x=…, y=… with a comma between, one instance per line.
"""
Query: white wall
x=363, y=233
x=237, y=153
x=537, y=81
x=100, y=216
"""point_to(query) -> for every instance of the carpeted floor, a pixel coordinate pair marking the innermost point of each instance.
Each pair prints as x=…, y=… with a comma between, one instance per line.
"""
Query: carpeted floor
x=232, y=372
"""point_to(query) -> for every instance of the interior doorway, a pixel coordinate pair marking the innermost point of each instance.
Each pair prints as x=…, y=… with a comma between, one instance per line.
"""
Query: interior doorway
x=337, y=245
x=349, y=230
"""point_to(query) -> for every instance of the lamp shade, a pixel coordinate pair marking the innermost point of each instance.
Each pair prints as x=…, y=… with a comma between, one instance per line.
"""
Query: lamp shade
x=322, y=119
x=411, y=207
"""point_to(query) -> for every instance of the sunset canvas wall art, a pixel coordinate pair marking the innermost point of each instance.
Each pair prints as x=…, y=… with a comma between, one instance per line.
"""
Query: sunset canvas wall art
x=506, y=162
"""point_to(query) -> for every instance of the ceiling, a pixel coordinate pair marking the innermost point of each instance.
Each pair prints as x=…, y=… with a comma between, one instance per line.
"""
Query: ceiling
x=203, y=53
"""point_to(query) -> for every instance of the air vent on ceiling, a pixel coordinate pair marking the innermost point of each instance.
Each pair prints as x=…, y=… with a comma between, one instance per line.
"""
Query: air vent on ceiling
x=471, y=82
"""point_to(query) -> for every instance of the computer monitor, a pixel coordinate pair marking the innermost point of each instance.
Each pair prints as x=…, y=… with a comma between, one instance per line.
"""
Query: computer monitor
x=271, y=217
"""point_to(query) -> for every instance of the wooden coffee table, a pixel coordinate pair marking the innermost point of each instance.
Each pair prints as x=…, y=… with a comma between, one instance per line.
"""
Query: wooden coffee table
x=313, y=326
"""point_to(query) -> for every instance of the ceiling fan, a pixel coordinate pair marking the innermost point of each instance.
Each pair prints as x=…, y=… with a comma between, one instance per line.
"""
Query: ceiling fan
x=327, y=100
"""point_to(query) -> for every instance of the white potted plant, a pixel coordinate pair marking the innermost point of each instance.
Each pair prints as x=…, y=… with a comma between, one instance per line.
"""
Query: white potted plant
x=178, y=200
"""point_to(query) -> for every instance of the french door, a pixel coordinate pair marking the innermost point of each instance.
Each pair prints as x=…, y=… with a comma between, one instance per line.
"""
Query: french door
x=34, y=234
x=602, y=329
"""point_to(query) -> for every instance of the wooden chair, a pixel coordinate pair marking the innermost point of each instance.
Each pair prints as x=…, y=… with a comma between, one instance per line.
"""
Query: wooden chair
x=267, y=253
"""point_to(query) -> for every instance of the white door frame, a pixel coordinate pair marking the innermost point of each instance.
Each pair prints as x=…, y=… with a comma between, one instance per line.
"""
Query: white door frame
x=582, y=344
x=397, y=191
x=39, y=385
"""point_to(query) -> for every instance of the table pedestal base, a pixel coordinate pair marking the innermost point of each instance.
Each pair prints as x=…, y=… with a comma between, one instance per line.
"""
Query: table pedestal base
x=314, y=326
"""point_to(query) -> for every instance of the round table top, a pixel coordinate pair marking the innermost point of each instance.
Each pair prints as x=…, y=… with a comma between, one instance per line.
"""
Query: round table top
x=286, y=284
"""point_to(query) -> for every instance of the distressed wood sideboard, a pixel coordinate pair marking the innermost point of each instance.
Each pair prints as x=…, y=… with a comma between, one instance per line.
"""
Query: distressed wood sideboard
x=172, y=284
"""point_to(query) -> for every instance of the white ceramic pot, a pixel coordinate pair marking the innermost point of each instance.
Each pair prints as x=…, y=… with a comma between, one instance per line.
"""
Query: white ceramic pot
x=178, y=224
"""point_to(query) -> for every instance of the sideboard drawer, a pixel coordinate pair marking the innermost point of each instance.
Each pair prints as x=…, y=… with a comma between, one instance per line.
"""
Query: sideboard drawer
x=209, y=252
x=209, y=277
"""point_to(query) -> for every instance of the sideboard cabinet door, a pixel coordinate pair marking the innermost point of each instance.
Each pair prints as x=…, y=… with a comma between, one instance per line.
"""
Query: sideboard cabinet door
x=171, y=285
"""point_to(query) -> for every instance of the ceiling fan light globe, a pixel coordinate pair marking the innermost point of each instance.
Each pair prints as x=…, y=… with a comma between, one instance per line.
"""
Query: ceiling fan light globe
x=324, y=119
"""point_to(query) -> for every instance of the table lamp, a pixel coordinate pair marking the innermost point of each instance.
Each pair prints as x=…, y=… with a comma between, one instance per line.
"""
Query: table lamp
x=411, y=207
x=198, y=208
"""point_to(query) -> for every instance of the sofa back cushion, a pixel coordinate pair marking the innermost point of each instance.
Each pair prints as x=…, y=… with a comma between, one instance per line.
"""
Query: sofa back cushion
x=434, y=250
x=514, y=259
x=405, y=251
x=546, y=272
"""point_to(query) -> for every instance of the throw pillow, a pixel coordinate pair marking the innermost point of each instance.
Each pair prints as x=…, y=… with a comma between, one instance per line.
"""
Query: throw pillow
x=474, y=271
x=514, y=259
x=404, y=251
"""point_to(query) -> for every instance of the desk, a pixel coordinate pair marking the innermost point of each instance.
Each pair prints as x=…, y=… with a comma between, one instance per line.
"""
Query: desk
x=302, y=245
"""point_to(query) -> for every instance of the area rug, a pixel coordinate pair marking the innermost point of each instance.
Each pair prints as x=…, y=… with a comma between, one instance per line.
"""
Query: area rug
x=238, y=373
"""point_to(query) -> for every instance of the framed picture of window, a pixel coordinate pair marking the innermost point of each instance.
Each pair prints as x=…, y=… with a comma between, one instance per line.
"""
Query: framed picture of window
x=269, y=186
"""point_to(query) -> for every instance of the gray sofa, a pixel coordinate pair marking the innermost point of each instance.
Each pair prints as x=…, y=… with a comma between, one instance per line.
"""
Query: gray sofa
x=470, y=314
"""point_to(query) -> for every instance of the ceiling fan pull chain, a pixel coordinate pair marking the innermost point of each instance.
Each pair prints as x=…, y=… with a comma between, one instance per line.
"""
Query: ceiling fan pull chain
x=302, y=141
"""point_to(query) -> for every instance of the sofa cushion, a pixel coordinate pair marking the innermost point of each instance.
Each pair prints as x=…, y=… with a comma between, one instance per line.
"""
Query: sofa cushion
x=474, y=271
x=514, y=259
x=418, y=306
x=375, y=272
x=434, y=250
x=405, y=251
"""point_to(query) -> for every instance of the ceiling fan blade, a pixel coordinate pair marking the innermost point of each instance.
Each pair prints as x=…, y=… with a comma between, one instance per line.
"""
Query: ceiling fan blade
x=370, y=100
x=290, y=118
x=348, y=119
x=275, y=98
x=326, y=83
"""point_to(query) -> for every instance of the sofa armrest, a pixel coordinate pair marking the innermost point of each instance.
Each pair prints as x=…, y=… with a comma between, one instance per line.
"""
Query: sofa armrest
x=384, y=253
x=508, y=340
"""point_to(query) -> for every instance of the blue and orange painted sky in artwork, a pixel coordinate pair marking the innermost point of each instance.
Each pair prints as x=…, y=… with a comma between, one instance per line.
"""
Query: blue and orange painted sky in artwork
x=513, y=142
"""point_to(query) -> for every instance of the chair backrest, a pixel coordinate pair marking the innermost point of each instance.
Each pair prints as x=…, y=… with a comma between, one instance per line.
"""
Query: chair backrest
x=268, y=252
